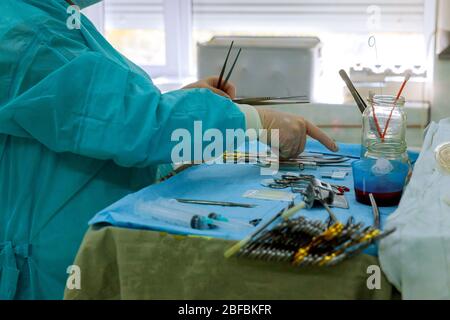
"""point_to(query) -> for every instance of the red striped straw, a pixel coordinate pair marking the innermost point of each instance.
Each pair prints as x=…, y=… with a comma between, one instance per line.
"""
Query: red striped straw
x=407, y=77
x=377, y=123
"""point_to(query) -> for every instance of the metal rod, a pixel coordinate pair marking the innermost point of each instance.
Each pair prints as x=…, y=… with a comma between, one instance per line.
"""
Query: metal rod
x=375, y=210
x=359, y=101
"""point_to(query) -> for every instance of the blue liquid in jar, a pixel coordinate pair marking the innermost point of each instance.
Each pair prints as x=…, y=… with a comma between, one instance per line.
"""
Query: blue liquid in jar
x=386, y=188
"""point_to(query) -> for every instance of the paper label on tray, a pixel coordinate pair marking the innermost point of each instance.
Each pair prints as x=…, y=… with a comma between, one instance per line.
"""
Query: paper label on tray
x=273, y=195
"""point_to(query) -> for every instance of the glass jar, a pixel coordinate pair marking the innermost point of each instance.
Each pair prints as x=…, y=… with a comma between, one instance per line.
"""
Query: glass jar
x=384, y=167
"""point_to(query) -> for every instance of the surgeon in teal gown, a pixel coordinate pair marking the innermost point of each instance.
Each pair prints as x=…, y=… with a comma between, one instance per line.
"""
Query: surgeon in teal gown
x=80, y=128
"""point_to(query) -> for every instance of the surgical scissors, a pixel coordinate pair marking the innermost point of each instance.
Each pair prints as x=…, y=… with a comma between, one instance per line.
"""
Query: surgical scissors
x=296, y=183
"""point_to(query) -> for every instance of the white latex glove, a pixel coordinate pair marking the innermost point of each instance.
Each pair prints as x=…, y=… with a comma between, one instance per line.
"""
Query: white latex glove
x=293, y=130
x=228, y=91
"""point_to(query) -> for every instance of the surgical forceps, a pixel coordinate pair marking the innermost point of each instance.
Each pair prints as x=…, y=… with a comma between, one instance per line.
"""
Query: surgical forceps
x=296, y=183
x=301, y=182
x=257, y=101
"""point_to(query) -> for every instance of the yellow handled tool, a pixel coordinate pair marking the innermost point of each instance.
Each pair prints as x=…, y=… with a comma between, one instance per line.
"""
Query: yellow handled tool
x=285, y=214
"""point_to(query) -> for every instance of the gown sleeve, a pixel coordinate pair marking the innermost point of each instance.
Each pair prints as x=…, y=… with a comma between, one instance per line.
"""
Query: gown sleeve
x=97, y=108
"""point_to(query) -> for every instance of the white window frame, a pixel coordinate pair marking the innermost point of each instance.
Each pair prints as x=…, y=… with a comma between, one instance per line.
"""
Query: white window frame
x=430, y=30
x=178, y=31
x=96, y=14
x=178, y=38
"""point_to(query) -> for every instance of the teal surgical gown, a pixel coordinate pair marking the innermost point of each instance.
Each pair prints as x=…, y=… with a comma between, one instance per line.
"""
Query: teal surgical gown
x=80, y=128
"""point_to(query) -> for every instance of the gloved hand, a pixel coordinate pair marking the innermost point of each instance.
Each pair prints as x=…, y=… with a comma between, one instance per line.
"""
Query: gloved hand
x=211, y=83
x=293, y=130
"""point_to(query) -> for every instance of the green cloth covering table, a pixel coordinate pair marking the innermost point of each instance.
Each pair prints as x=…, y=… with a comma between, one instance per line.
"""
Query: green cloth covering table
x=119, y=263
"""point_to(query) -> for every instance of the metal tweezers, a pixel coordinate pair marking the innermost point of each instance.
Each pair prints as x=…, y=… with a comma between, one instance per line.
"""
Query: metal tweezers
x=273, y=100
x=221, y=85
x=319, y=160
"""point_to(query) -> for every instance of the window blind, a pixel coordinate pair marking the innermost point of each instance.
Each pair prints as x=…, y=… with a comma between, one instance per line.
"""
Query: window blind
x=311, y=15
x=134, y=14
x=283, y=15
